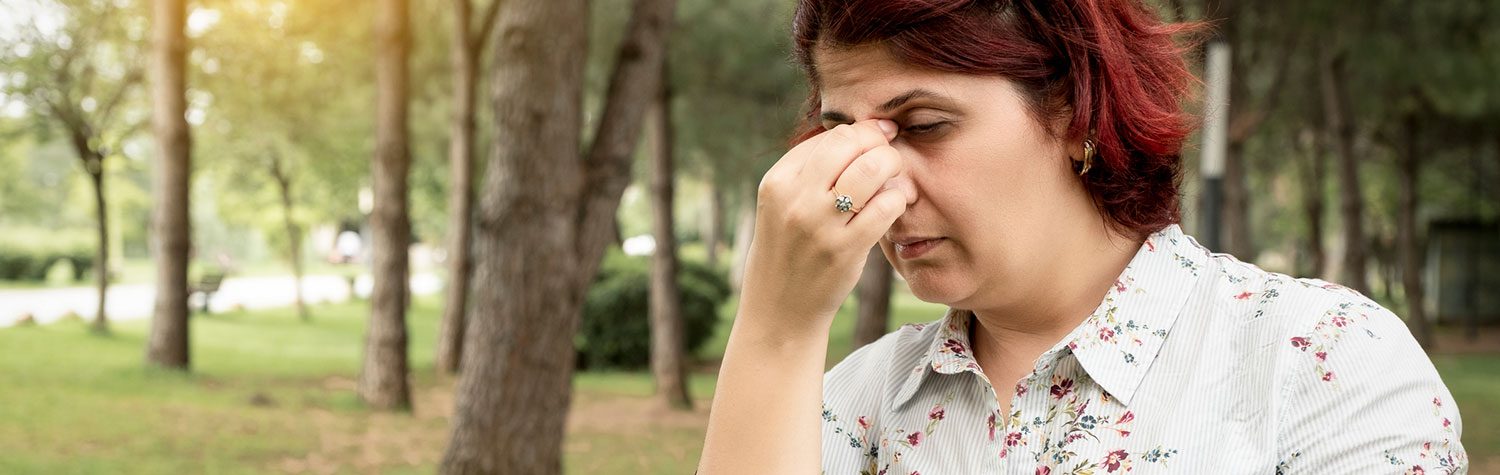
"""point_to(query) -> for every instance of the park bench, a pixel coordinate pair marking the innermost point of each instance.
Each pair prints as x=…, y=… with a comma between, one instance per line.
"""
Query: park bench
x=206, y=285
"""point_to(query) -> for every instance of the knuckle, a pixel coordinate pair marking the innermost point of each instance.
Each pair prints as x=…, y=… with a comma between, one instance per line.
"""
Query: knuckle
x=885, y=207
x=868, y=167
x=843, y=131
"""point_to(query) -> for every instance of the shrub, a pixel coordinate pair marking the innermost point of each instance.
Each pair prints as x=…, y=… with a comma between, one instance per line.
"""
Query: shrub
x=29, y=254
x=616, y=328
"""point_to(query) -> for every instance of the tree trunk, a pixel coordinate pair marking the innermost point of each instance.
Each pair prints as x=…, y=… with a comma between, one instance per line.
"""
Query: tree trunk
x=715, y=234
x=667, y=351
x=744, y=231
x=1236, y=210
x=95, y=168
x=382, y=382
x=1313, y=178
x=1408, y=238
x=874, y=297
x=171, y=233
x=544, y=222
x=465, y=57
x=293, y=232
x=1341, y=138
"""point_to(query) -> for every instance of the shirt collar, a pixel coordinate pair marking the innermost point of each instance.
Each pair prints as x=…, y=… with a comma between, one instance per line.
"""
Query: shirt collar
x=1118, y=342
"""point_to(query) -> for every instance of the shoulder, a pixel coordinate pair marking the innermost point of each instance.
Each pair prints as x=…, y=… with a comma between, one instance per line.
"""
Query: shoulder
x=1356, y=392
x=1290, y=312
x=891, y=357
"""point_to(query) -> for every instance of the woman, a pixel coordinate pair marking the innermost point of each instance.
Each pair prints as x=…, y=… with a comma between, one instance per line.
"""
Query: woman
x=1019, y=161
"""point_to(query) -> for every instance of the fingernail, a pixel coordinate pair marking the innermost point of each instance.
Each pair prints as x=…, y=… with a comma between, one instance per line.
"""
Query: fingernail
x=888, y=127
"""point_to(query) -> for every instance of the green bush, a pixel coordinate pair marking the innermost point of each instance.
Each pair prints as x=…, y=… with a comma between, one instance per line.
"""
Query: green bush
x=28, y=254
x=616, y=328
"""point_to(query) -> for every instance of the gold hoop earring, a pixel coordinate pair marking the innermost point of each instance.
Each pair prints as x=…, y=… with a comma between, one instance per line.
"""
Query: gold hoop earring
x=1088, y=156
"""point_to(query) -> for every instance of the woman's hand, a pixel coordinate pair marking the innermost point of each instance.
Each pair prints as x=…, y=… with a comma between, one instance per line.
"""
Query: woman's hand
x=806, y=255
x=804, y=260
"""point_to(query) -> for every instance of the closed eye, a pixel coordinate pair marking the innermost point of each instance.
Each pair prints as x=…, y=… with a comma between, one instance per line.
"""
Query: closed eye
x=920, y=129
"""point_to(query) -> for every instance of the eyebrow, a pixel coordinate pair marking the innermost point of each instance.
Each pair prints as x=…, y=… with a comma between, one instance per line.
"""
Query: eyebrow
x=898, y=101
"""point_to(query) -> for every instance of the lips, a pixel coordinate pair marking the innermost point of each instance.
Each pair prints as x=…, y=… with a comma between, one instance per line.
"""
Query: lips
x=912, y=247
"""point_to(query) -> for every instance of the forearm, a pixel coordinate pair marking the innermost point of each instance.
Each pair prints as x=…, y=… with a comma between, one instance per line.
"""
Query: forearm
x=765, y=414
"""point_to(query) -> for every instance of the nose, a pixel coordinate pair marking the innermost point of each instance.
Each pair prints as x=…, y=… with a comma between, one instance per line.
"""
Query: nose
x=906, y=180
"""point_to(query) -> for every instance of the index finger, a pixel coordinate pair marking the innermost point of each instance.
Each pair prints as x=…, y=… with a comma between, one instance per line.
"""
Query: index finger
x=838, y=147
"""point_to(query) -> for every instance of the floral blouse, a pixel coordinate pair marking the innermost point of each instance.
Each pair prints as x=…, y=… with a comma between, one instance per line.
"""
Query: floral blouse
x=1193, y=363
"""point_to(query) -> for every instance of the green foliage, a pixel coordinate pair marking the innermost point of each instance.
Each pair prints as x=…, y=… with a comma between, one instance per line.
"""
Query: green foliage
x=616, y=327
x=28, y=254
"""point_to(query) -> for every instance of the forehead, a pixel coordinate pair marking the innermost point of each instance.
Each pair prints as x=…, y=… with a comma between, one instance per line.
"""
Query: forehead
x=869, y=72
x=856, y=80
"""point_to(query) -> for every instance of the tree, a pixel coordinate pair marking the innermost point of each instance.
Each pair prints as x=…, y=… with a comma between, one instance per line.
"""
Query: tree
x=466, y=51
x=383, y=380
x=273, y=148
x=545, y=219
x=172, y=236
x=874, y=296
x=668, y=363
x=78, y=76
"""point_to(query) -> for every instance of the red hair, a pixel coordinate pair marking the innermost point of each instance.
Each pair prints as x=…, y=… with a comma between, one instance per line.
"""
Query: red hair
x=1110, y=67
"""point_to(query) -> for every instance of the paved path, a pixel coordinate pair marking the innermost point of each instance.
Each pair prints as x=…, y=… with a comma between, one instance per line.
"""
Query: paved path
x=137, y=301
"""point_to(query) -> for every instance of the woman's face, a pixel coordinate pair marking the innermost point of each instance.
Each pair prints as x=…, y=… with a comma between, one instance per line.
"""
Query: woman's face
x=994, y=186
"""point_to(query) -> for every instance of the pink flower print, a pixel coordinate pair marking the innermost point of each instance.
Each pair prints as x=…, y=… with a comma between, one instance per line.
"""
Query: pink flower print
x=914, y=438
x=863, y=423
x=1244, y=295
x=1048, y=470
x=1437, y=402
x=1106, y=334
x=1119, y=286
x=1415, y=470
x=991, y=425
x=1127, y=417
x=1340, y=321
x=1113, y=460
x=1062, y=388
x=1012, y=439
x=1150, y=246
x=1301, y=343
x=1021, y=389
x=936, y=413
x=1328, y=376
x=1446, y=423
x=1322, y=355
x=955, y=346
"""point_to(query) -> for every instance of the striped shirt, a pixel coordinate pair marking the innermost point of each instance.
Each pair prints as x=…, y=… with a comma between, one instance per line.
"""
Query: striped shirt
x=1193, y=363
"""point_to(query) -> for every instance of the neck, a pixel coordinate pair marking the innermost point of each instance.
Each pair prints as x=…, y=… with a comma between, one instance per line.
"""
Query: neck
x=1018, y=331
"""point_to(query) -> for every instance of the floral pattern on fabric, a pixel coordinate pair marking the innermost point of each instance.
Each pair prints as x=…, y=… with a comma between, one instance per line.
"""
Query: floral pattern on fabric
x=1175, y=371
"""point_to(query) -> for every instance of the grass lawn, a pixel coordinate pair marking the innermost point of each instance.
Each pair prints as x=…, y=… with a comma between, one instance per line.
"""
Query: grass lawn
x=272, y=395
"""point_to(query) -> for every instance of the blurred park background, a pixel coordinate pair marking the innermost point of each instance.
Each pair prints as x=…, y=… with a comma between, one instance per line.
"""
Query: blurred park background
x=407, y=236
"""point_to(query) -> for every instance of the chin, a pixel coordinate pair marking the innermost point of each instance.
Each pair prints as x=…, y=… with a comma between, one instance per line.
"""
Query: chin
x=936, y=286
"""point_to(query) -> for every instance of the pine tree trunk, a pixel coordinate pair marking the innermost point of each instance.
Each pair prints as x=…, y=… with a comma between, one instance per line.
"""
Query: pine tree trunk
x=383, y=379
x=101, y=255
x=1236, y=208
x=544, y=222
x=171, y=236
x=513, y=391
x=715, y=234
x=1341, y=138
x=1409, y=171
x=1313, y=177
x=874, y=297
x=465, y=58
x=668, y=363
x=293, y=233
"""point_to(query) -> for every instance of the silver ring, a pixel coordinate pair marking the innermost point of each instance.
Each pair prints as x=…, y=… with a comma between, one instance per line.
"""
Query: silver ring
x=843, y=203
